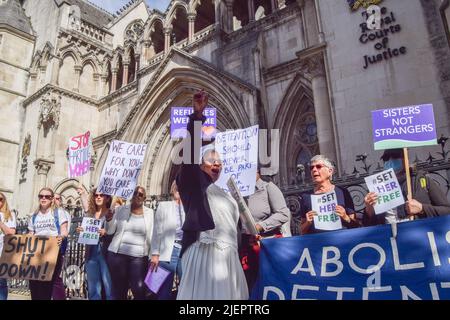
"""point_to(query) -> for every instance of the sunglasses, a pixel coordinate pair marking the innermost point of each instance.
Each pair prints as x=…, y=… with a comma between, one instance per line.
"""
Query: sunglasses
x=139, y=194
x=99, y=195
x=317, y=166
x=45, y=196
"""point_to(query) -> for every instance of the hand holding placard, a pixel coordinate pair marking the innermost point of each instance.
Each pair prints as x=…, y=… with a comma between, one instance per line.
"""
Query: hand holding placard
x=387, y=189
x=324, y=205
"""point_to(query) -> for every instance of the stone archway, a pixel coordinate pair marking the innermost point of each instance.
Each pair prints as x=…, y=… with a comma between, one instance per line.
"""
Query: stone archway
x=295, y=118
x=151, y=123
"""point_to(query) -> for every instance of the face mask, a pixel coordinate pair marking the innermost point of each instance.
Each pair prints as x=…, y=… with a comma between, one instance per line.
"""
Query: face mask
x=395, y=164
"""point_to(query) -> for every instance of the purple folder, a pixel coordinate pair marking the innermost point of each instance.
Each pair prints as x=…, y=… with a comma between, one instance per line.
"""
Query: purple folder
x=155, y=279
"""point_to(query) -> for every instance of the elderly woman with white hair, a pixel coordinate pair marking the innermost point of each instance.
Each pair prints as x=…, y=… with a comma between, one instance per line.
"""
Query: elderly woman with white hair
x=322, y=170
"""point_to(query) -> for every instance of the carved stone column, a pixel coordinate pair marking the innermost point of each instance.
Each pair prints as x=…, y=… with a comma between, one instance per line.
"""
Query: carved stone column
x=273, y=5
x=314, y=67
x=103, y=86
x=251, y=10
x=167, y=34
x=191, y=20
x=98, y=84
x=77, y=78
x=42, y=166
x=114, y=79
x=229, y=16
x=125, y=73
x=55, y=70
x=33, y=84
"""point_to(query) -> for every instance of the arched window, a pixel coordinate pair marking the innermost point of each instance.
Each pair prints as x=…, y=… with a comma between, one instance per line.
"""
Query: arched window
x=263, y=8
x=120, y=74
x=180, y=25
x=157, y=38
x=66, y=73
x=206, y=15
x=108, y=78
x=87, y=83
x=134, y=30
x=240, y=14
x=132, y=67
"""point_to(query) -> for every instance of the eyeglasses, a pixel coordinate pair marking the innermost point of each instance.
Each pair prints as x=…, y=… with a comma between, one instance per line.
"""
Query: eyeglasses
x=139, y=194
x=45, y=196
x=317, y=166
x=99, y=195
x=213, y=161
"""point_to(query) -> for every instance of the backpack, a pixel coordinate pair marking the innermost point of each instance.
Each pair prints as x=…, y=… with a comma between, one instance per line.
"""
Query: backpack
x=63, y=247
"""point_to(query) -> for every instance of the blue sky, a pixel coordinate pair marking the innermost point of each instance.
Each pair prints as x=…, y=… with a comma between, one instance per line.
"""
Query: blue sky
x=114, y=5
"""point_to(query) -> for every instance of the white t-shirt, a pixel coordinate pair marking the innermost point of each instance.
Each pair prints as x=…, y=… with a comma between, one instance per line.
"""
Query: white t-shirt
x=44, y=224
x=11, y=223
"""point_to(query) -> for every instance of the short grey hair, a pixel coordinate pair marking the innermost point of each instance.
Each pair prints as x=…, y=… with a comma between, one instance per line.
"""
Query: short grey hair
x=327, y=162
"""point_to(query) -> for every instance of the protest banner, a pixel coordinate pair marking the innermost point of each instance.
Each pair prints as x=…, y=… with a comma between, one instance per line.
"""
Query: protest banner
x=388, y=190
x=121, y=169
x=325, y=207
x=179, y=121
x=90, y=234
x=248, y=222
x=238, y=151
x=404, y=127
x=359, y=264
x=28, y=257
x=79, y=155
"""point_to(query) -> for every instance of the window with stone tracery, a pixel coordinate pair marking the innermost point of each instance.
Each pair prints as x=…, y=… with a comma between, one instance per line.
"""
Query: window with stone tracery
x=134, y=30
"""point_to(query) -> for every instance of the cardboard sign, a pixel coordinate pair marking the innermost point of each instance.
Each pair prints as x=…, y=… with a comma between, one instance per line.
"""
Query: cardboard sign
x=238, y=151
x=386, y=186
x=325, y=207
x=90, y=234
x=122, y=168
x=404, y=127
x=248, y=222
x=79, y=155
x=179, y=121
x=29, y=257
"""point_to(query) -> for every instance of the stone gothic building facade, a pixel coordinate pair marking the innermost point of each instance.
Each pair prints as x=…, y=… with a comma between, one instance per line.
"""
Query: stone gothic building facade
x=308, y=68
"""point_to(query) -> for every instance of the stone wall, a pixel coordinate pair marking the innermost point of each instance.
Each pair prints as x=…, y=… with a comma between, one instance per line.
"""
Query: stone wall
x=408, y=79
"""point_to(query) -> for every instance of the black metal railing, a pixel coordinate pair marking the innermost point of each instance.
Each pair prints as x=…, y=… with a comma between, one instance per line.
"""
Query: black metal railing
x=437, y=167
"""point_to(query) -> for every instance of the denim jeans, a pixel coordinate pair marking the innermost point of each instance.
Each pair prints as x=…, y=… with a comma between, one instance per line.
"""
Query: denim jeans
x=97, y=275
x=165, y=292
x=3, y=289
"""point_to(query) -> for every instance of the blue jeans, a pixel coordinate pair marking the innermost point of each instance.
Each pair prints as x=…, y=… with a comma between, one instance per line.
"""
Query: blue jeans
x=3, y=289
x=165, y=292
x=98, y=275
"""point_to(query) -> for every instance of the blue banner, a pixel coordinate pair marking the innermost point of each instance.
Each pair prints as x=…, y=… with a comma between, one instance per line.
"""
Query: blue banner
x=359, y=264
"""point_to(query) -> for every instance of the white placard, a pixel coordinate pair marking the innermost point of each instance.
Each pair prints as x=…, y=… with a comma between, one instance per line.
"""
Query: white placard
x=325, y=207
x=238, y=151
x=248, y=222
x=90, y=234
x=79, y=155
x=388, y=190
x=122, y=168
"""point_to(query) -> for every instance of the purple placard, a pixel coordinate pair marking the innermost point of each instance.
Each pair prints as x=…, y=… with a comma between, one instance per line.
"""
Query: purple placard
x=179, y=120
x=404, y=127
